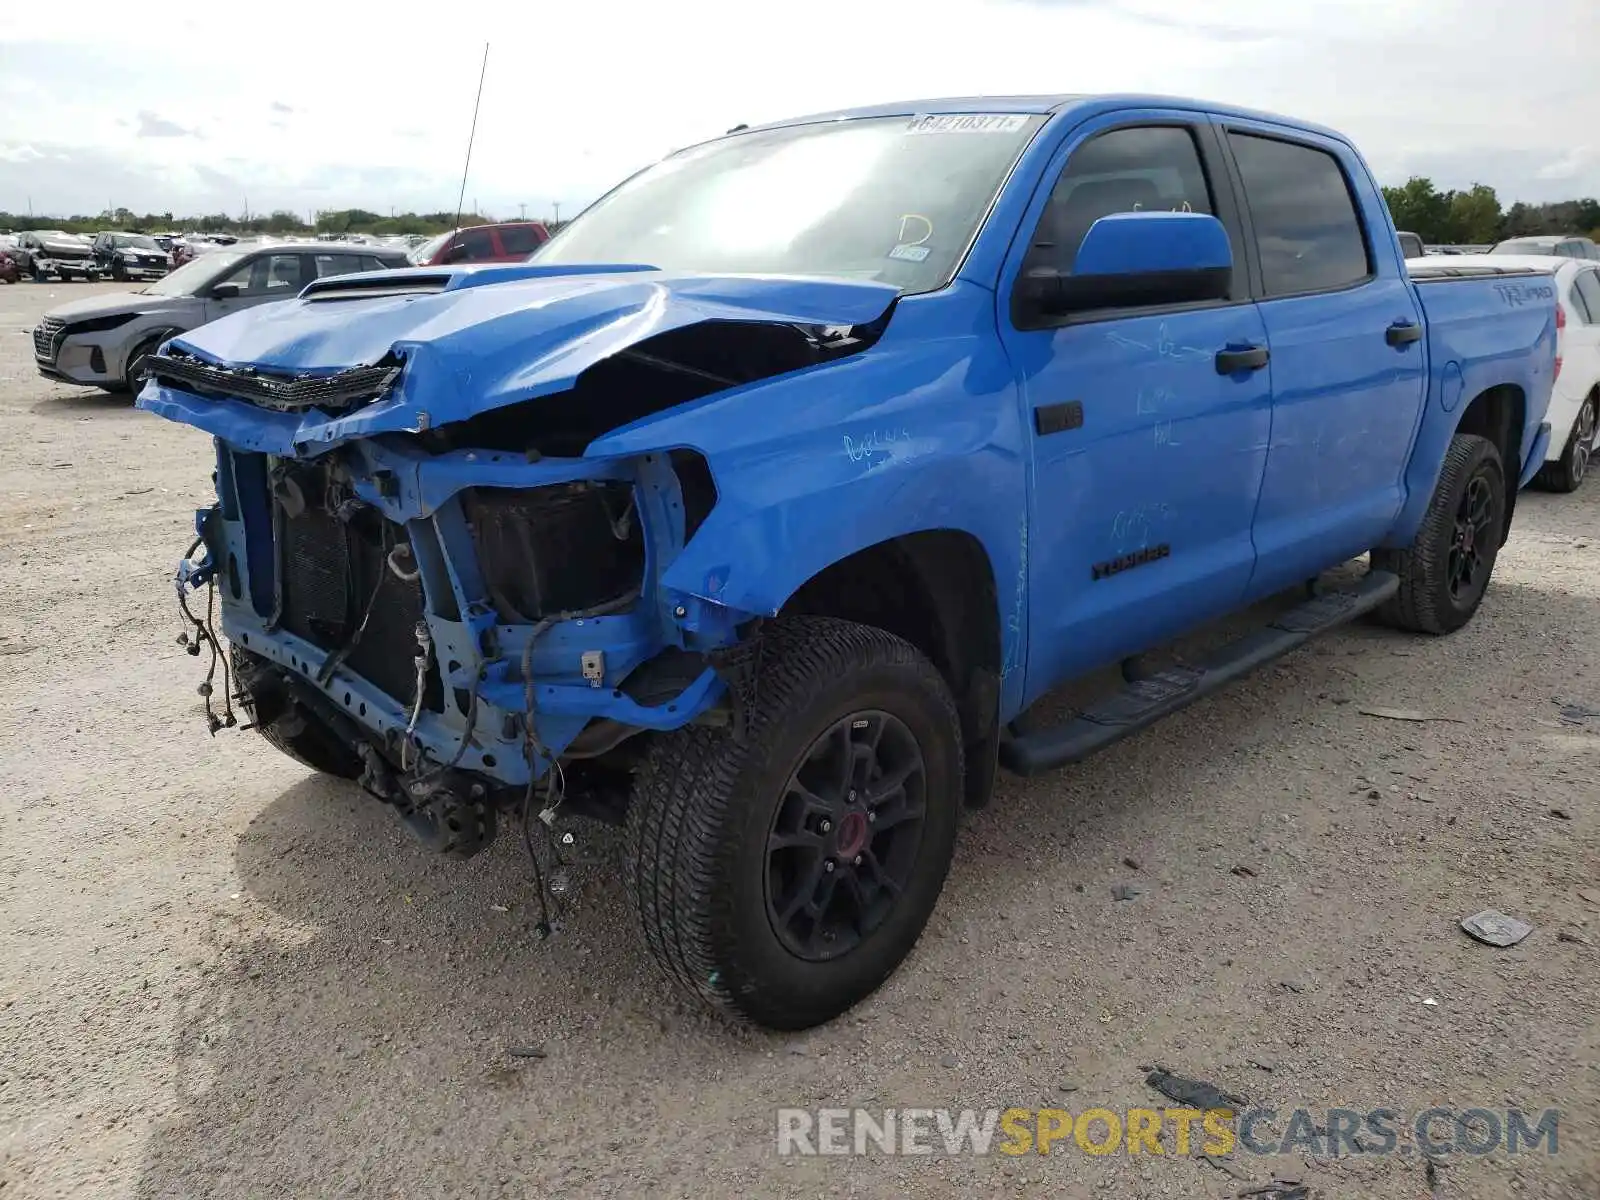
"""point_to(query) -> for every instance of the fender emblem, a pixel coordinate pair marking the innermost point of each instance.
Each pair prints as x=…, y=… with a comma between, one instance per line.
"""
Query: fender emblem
x=1127, y=562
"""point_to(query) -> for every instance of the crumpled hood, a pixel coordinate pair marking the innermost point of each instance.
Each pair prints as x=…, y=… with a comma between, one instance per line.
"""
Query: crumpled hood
x=475, y=338
x=116, y=303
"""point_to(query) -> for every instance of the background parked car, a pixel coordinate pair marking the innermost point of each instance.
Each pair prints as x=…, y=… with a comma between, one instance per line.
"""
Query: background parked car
x=191, y=246
x=1564, y=246
x=46, y=252
x=102, y=341
x=510, y=241
x=130, y=256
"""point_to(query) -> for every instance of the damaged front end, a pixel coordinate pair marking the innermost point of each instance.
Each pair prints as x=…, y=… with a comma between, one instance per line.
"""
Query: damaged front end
x=465, y=602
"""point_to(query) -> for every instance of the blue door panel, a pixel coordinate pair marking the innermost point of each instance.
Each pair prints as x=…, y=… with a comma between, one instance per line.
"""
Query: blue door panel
x=1169, y=459
x=1345, y=409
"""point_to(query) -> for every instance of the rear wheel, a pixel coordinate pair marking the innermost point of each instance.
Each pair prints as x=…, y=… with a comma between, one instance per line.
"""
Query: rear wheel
x=1445, y=571
x=1568, y=471
x=784, y=877
x=286, y=725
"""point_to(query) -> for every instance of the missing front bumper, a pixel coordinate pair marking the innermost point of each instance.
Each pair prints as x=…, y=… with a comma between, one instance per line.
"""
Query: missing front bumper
x=329, y=569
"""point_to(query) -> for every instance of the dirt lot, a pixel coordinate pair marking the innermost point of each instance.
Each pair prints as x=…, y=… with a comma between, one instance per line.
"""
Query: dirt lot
x=220, y=976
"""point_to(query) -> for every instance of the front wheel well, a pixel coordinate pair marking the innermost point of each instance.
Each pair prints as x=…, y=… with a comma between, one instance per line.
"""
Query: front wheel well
x=1498, y=414
x=936, y=589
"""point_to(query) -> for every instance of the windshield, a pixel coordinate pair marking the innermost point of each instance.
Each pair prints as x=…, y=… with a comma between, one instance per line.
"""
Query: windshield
x=429, y=248
x=892, y=199
x=137, y=240
x=1526, y=246
x=194, y=276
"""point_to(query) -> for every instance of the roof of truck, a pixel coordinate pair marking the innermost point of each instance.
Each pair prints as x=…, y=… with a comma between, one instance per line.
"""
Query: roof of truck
x=1045, y=105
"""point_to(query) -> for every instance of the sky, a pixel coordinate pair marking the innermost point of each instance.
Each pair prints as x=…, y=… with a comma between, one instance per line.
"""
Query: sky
x=306, y=105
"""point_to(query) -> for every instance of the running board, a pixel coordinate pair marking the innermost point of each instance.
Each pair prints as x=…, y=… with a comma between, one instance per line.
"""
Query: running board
x=1140, y=704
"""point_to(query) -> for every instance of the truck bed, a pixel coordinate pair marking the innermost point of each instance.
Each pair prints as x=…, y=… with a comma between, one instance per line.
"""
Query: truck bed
x=1482, y=317
x=1487, y=328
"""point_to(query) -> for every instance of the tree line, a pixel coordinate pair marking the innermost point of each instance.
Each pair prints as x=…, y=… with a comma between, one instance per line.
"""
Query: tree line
x=279, y=222
x=1474, y=216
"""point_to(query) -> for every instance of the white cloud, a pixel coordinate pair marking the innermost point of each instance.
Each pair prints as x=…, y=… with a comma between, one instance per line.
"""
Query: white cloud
x=309, y=104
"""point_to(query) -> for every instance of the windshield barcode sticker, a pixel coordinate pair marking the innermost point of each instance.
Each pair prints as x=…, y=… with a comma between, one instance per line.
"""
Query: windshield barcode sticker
x=968, y=123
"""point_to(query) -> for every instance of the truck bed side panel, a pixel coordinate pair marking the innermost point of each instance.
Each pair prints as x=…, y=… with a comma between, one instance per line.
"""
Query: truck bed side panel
x=1482, y=333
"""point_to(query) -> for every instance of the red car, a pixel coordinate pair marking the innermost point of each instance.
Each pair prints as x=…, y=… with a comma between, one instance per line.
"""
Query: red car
x=9, y=271
x=509, y=241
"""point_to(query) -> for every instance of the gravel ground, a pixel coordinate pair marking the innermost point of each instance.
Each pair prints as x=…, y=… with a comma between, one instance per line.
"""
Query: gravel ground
x=222, y=976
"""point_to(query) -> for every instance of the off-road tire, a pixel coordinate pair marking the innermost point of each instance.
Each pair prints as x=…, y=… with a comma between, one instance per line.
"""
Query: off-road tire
x=1424, y=603
x=1569, y=471
x=119, y=272
x=297, y=733
x=703, y=806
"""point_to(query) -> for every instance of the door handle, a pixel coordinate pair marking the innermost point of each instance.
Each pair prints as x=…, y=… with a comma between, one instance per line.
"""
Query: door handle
x=1403, y=333
x=1241, y=358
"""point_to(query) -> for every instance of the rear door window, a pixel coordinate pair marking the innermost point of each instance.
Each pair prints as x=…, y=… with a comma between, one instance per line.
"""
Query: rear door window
x=338, y=264
x=1307, y=230
x=1586, y=296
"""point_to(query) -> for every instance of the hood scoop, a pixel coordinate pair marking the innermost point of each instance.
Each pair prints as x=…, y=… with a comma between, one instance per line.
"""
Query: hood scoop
x=384, y=283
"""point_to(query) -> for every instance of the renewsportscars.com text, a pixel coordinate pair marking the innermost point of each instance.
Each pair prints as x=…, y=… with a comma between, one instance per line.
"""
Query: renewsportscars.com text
x=1340, y=1132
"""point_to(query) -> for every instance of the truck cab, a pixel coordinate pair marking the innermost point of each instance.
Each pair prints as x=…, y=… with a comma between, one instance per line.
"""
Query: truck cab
x=760, y=509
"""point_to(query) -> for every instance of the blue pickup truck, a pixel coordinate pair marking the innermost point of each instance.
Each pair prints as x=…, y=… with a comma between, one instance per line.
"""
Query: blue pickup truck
x=757, y=508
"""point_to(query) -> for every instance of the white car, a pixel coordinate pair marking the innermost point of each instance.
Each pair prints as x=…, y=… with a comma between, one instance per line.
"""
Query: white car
x=1576, y=400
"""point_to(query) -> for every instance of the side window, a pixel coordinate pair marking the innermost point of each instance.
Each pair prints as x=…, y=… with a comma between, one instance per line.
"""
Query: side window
x=519, y=239
x=369, y=263
x=338, y=264
x=275, y=275
x=1138, y=169
x=475, y=245
x=1306, y=226
x=1587, y=289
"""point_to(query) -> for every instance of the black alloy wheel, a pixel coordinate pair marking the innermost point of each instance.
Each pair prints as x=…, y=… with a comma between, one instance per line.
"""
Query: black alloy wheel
x=844, y=837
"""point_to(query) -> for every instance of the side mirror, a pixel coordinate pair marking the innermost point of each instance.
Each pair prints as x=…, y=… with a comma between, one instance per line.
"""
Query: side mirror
x=454, y=255
x=226, y=291
x=1129, y=260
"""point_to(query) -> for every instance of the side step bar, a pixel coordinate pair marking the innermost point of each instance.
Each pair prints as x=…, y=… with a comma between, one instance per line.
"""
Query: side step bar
x=1145, y=701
